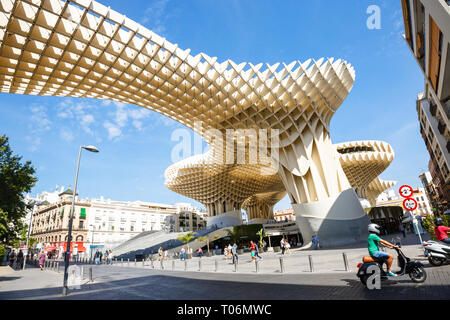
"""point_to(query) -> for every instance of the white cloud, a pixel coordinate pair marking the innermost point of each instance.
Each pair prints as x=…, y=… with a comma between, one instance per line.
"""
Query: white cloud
x=155, y=17
x=113, y=130
x=39, y=119
x=66, y=134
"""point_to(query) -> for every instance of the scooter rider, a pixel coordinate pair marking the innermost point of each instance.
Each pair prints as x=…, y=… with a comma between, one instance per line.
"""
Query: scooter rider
x=373, y=242
x=441, y=231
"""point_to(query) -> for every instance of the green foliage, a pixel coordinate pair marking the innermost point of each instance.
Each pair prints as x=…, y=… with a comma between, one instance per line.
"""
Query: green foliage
x=2, y=252
x=208, y=238
x=16, y=179
x=428, y=224
x=244, y=233
x=261, y=235
x=188, y=237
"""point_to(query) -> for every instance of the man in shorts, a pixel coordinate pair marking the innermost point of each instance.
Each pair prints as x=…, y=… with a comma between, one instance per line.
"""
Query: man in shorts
x=373, y=242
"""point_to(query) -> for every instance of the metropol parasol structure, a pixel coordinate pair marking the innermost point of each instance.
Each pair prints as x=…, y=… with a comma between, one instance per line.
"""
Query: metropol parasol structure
x=81, y=48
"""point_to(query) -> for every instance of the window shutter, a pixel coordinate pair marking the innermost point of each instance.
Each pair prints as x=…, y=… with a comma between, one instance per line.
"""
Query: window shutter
x=83, y=213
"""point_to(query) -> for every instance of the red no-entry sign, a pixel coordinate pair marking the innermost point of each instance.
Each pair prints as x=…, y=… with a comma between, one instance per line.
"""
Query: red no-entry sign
x=406, y=191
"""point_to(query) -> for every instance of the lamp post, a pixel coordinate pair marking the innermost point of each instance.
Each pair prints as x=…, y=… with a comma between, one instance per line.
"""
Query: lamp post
x=35, y=203
x=69, y=236
x=92, y=241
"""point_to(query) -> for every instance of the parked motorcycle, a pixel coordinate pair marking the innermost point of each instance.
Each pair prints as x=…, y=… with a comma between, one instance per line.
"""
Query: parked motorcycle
x=414, y=269
x=437, y=252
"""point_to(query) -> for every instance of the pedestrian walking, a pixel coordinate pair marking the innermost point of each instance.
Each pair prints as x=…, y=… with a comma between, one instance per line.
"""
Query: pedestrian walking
x=183, y=254
x=257, y=251
x=200, y=252
x=225, y=252
x=252, y=250
x=166, y=255
x=42, y=260
x=100, y=257
x=160, y=253
x=235, y=255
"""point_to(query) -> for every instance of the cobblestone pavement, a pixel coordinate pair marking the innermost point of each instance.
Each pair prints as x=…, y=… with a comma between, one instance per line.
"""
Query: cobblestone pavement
x=116, y=283
x=329, y=281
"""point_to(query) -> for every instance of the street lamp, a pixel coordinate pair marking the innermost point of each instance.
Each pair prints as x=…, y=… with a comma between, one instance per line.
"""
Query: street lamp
x=35, y=203
x=92, y=242
x=69, y=236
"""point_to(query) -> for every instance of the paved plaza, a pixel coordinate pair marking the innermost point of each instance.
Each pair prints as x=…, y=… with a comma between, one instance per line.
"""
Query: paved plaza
x=329, y=280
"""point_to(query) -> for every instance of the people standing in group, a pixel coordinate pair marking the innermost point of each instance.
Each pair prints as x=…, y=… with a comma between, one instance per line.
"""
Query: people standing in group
x=42, y=260
x=19, y=260
x=12, y=259
x=100, y=257
x=183, y=253
x=403, y=229
x=234, y=252
x=110, y=257
x=315, y=241
x=97, y=257
x=230, y=251
x=287, y=247
x=282, y=245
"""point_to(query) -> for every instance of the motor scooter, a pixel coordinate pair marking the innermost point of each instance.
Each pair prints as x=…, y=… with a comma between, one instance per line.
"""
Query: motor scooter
x=413, y=268
x=436, y=252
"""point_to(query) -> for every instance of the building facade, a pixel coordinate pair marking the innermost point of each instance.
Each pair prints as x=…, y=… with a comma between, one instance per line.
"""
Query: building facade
x=391, y=199
x=104, y=223
x=427, y=33
x=284, y=215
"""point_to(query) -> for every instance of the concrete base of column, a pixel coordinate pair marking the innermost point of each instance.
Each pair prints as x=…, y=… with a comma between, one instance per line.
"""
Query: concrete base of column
x=337, y=221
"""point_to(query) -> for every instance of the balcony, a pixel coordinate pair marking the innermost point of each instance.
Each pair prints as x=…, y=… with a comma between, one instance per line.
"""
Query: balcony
x=441, y=127
x=433, y=109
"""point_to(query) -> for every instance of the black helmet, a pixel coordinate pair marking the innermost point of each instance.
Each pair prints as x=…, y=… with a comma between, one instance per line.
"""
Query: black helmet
x=438, y=221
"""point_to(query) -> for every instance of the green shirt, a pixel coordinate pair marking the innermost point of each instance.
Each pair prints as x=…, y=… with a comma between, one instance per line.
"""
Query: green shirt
x=372, y=243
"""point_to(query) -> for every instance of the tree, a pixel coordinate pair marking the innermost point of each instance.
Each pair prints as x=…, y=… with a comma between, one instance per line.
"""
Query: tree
x=188, y=237
x=207, y=238
x=261, y=235
x=16, y=179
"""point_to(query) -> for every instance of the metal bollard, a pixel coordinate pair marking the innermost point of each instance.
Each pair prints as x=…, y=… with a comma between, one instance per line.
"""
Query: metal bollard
x=91, y=279
x=82, y=273
x=200, y=265
x=311, y=266
x=235, y=266
x=257, y=266
x=281, y=265
x=151, y=259
x=143, y=263
x=128, y=262
x=162, y=264
x=216, y=264
x=185, y=265
x=57, y=267
x=173, y=265
x=135, y=263
x=344, y=255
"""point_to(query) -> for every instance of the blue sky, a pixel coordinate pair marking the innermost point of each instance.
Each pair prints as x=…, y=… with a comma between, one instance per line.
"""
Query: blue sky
x=135, y=144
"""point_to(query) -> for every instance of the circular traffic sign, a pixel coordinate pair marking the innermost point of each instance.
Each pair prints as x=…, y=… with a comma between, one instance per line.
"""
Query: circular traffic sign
x=406, y=191
x=410, y=204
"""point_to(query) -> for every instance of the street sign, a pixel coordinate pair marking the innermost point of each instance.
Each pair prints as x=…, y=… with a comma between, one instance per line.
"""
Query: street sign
x=406, y=191
x=410, y=204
